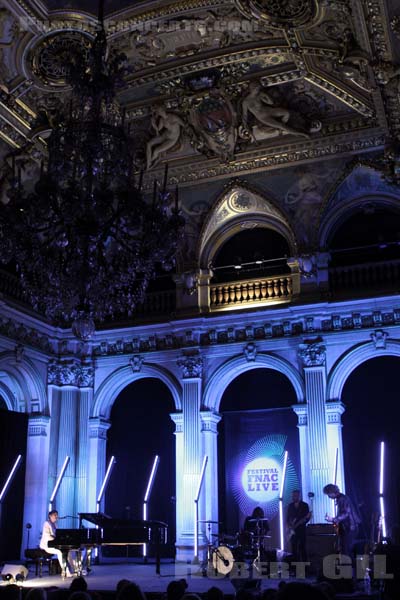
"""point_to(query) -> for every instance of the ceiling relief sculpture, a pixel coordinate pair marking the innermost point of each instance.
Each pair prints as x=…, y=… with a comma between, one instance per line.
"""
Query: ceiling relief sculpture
x=217, y=90
x=290, y=14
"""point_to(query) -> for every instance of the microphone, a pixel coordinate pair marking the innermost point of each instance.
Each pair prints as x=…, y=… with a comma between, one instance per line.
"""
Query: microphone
x=62, y=518
x=311, y=494
x=226, y=563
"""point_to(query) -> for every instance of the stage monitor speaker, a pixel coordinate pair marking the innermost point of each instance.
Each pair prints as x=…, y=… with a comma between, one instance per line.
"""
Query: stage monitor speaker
x=14, y=573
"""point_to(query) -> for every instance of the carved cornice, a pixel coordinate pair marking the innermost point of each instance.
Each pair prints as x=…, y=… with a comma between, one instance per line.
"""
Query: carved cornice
x=24, y=335
x=262, y=160
x=285, y=327
x=70, y=373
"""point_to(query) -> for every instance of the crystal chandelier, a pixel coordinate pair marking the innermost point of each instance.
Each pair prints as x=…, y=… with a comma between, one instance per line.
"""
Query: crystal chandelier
x=85, y=242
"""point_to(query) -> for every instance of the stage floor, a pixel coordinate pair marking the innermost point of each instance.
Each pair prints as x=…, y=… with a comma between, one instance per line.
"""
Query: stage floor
x=106, y=576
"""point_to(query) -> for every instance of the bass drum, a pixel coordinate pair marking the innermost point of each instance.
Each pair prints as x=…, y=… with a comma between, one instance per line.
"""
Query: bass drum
x=222, y=560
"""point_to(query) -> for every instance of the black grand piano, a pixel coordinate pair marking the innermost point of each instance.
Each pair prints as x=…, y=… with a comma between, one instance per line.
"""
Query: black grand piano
x=111, y=532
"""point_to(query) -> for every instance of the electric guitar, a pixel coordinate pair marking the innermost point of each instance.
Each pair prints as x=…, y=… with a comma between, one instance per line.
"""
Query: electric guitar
x=335, y=525
x=295, y=524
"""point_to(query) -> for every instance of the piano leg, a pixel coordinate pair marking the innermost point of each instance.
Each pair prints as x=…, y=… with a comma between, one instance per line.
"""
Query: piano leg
x=158, y=558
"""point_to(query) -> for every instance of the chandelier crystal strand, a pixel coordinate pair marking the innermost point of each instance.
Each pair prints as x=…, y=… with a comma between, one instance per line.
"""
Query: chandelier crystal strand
x=86, y=243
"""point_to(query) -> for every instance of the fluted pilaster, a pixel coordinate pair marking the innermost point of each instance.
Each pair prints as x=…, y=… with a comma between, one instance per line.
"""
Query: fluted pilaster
x=36, y=477
x=191, y=366
x=85, y=400
x=301, y=411
x=209, y=504
x=65, y=500
x=98, y=428
x=334, y=411
x=313, y=357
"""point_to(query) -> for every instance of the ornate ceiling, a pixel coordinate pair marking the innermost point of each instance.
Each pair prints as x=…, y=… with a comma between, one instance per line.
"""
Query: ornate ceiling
x=217, y=89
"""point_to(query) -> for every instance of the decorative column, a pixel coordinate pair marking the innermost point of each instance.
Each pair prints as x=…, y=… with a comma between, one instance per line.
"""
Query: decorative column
x=334, y=411
x=179, y=463
x=301, y=411
x=192, y=367
x=70, y=382
x=86, y=383
x=209, y=505
x=313, y=357
x=98, y=428
x=36, y=479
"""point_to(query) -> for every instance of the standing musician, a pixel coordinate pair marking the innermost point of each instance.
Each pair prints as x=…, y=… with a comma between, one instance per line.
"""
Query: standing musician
x=346, y=521
x=297, y=516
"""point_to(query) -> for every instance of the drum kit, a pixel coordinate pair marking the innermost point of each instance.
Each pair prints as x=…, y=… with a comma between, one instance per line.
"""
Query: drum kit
x=246, y=546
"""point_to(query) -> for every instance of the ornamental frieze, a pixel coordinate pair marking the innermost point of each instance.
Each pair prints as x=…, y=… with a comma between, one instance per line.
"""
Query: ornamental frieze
x=71, y=373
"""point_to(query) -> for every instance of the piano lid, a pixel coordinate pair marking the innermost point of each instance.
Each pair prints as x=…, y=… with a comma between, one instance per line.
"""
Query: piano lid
x=105, y=521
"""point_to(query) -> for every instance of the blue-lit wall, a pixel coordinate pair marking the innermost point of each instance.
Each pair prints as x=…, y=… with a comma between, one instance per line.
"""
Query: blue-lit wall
x=70, y=403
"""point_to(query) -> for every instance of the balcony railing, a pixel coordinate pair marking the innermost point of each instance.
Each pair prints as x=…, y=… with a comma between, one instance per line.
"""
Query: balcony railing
x=236, y=294
x=384, y=275
x=161, y=303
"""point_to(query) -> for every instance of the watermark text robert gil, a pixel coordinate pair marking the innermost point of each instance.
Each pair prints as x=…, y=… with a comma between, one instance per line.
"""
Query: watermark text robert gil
x=334, y=566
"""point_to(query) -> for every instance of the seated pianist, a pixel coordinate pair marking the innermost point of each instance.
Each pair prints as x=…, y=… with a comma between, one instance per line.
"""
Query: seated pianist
x=49, y=532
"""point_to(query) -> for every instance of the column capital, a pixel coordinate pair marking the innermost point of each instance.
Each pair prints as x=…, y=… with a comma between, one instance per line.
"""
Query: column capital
x=312, y=353
x=38, y=425
x=177, y=418
x=98, y=427
x=209, y=421
x=301, y=411
x=70, y=372
x=334, y=411
x=191, y=365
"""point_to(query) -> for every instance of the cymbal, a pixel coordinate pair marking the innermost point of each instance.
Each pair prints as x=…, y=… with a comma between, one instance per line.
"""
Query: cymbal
x=215, y=522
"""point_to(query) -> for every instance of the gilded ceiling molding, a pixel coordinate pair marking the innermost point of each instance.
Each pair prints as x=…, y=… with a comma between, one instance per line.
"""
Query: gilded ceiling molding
x=260, y=161
x=187, y=66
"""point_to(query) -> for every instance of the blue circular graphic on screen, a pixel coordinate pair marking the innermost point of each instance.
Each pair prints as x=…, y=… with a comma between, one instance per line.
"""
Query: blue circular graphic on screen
x=261, y=479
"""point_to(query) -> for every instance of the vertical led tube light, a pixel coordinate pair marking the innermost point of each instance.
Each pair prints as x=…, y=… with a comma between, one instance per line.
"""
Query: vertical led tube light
x=196, y=509
x=58, y=482
x=9, y=478
x=285, y=459
x=381, y=486
x=105, y=482
x=147, y=494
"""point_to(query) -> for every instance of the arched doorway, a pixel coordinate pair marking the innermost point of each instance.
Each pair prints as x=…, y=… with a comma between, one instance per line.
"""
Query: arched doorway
x=370, y=397
x=365, y=249
x=258, y=252
x=258, y=424
x=13, y=441
x=141, y=428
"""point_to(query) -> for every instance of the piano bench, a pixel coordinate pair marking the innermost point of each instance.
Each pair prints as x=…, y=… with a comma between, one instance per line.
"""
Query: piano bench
x=40, y=557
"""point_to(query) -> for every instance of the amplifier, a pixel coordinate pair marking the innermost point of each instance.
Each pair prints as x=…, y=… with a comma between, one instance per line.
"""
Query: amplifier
x=320, y=542
x=320, y=529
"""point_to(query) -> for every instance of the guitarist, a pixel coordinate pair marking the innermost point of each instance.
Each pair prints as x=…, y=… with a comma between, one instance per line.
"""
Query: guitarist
x=297, y=516
x=346, y=521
